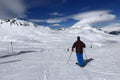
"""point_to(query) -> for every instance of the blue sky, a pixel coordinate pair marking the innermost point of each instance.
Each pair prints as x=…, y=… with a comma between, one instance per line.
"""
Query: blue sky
x=62, y=13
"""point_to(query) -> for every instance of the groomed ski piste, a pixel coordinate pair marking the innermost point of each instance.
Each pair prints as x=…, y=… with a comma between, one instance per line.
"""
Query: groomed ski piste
x=39, y=53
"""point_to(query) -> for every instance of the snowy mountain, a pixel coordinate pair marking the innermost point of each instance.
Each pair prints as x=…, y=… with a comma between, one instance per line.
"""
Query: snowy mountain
x=80, y=28
x=16, y=22
x=112, y=29
x=39, y=53
x=20, y=30
x=15, y=28
x=89, y=33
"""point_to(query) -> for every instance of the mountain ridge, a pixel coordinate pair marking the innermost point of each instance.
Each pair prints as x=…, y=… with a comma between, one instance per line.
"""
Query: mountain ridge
x=113, y=29
x=18, y=22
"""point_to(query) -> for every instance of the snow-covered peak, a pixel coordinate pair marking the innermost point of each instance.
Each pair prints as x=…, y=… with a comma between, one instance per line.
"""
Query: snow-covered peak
x=17, y=27
x=16, y=22
x=81, y=26
x=88, y=33
x=77, y=28
x=112, y=27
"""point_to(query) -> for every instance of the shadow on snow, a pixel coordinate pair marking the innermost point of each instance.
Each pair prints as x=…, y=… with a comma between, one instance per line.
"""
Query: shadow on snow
x=21, y=52
x=10, y=61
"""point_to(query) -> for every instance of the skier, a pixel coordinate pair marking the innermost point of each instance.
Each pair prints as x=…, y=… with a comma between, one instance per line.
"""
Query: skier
x=79, y=45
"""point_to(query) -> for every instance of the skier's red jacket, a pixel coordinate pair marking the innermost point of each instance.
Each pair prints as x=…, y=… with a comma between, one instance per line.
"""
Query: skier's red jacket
x=79, y=45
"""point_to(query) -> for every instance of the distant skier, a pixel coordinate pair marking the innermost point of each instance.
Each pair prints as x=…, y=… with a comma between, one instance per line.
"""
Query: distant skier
x=79, y=45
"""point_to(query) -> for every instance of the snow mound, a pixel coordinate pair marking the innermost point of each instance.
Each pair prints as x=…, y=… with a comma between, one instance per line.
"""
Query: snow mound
x=112, y=27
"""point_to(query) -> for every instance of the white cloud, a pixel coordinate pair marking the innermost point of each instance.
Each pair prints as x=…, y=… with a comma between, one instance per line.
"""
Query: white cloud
x=99, y=18
x=56, y=14
x=88, y=14
x=12, y=8
x=56, y=25
x=37, y=20
x=54, y=20
x=94, y=17
x=83, y=18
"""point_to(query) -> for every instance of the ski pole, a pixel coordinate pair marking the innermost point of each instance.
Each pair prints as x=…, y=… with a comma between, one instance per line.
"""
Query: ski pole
x=69, y=57
x=85, y=54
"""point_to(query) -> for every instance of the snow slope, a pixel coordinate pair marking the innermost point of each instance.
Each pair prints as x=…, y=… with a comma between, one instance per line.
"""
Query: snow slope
x=112, y=27
x=90, y=34
x=16, y=30
x=41, y=54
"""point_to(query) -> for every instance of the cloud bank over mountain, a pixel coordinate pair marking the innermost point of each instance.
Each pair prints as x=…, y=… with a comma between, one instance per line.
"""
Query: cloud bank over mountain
x=89, y=17
x=94, y=17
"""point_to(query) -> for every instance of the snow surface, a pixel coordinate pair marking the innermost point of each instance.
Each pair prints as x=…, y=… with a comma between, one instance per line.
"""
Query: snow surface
x=112, y=27
x=41, y=54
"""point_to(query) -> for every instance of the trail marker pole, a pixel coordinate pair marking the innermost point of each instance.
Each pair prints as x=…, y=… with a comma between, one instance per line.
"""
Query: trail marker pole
x=11, y=46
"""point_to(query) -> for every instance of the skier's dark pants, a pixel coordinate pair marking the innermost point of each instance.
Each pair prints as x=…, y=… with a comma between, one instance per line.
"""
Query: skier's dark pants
x=80, y=59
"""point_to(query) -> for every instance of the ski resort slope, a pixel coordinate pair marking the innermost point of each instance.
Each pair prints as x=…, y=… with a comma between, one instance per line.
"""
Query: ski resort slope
x=48, y=61
x=44, y=55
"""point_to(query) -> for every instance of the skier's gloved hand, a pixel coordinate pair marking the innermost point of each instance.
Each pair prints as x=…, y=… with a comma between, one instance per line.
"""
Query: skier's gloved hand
x=72, y=50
